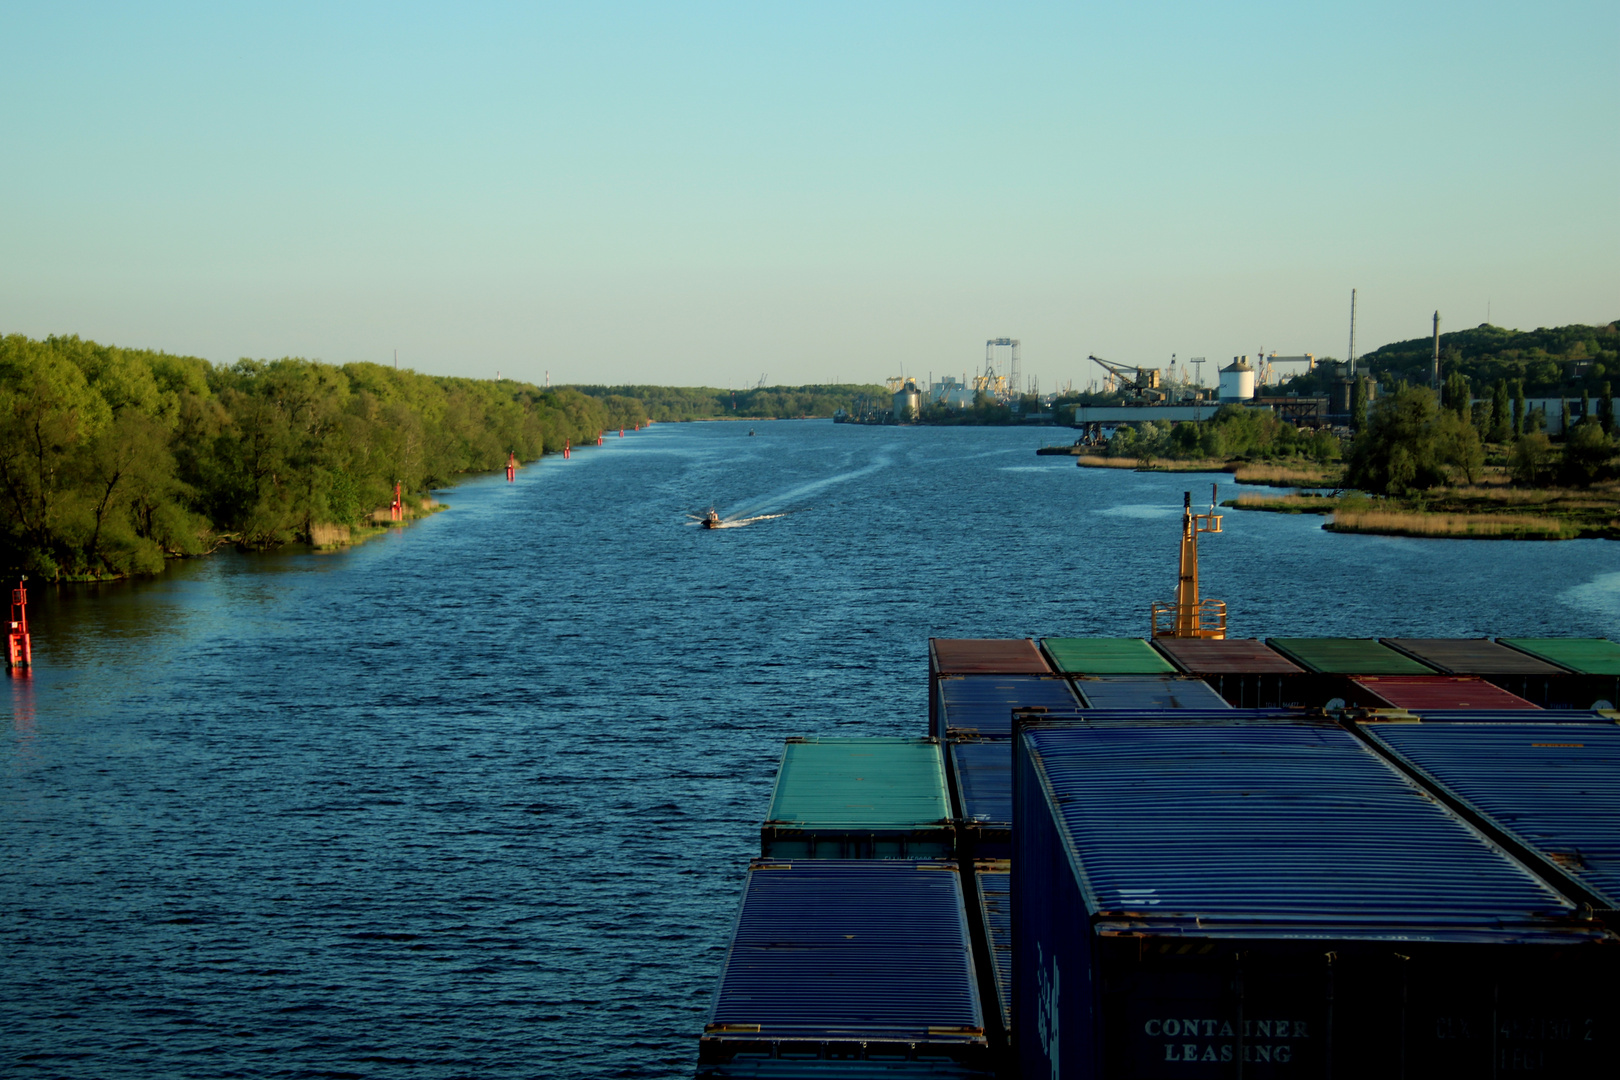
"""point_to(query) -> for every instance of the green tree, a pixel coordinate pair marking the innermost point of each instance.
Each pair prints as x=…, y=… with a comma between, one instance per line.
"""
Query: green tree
x=1606, y=410
x=1518, y=407
x=1501, y=416
x=1358, y=405
x=1457, y=394
x=1412, y=444
x=1587, y=455
x=1531, y=463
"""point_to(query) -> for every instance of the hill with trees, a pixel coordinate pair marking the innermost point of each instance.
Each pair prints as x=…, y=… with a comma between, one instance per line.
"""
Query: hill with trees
x=1557, y=362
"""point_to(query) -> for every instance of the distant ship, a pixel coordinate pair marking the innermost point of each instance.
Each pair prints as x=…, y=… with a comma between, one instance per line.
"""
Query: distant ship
x=711, y=520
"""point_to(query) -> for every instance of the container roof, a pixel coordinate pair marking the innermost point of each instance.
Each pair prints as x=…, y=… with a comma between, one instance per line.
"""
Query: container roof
x=995, y=905
x=864, y=782
x=1137, y=692
x=975, y=656
x=1472, y=656
x=984, y=780
x=1440, y=692
x=1284, y=827
x=1105, y=656
x=1225, y=656
x=1554, y=787
x=1348, y=656
x=841, y=950
x=1589, y=656
x=984, y=703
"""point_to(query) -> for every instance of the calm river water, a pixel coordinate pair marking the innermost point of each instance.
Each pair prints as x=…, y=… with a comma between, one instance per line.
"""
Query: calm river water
x=475, y=799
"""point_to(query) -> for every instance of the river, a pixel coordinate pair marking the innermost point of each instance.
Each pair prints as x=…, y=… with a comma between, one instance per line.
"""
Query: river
x=475, y=798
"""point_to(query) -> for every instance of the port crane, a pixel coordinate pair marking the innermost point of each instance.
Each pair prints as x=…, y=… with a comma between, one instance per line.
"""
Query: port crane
x=1138, y=382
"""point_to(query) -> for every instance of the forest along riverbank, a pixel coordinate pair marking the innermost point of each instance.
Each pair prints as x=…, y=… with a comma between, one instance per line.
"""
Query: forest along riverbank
x=114, y=460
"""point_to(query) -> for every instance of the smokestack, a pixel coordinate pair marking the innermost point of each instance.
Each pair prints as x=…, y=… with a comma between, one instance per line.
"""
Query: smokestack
x=1437, y=352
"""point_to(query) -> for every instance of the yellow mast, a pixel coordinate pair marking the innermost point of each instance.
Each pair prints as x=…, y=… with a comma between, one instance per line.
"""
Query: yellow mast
x=1189, y=616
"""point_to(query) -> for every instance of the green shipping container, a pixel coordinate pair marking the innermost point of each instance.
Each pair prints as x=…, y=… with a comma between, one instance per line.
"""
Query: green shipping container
x=859, y=798
x=1347, y=656
x=1105, y=656
x=1585, y=655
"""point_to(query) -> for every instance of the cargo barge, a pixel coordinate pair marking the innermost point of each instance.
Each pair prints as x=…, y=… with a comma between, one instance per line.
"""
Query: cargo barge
x=1193, y=856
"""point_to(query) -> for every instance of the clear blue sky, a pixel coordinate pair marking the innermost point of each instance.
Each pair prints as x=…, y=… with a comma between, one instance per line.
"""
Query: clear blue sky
x=704, y=194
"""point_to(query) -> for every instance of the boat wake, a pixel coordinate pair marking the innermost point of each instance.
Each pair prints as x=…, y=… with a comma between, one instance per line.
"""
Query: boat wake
x=776, y=504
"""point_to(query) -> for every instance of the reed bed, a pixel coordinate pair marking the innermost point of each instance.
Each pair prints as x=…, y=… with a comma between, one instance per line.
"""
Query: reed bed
x=1091, y=461
x=1468, y=526
x=1286, y=476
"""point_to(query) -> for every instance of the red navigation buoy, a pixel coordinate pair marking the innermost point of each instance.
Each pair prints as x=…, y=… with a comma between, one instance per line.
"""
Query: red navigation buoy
x=397, y=511
x=21, y=651
x=567, y=449
x=511, y=467
x=598, y=438
x=621, y=433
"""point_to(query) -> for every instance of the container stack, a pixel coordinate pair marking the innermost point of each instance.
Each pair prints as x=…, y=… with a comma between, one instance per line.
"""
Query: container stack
x=1109, y=857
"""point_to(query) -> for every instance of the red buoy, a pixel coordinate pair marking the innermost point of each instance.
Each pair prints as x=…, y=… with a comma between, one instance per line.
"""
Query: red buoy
x=598, y=438
x=21, y=651
x=567, y=448
x=511, y=467
x=621, y=433
x=397, y=511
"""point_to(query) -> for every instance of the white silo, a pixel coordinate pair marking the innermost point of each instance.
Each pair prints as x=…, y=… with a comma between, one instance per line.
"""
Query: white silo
x=907, y=403
x=1237, y=380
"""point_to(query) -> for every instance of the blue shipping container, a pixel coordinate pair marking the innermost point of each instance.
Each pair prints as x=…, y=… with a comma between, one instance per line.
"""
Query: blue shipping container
x=1274, y=899
x=981, y=777
x=995, y=909
x=982, y=705
x=1124, y=692
x=847, y=961
x=1555, y=788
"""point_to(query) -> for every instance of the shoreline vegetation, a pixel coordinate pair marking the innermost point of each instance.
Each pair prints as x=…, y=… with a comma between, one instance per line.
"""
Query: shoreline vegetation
x=113, y=461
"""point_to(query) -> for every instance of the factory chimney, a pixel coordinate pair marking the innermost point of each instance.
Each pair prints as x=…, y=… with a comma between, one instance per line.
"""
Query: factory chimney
x=1437, y=352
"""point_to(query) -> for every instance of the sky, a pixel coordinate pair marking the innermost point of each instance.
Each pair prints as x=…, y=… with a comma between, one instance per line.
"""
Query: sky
x=711, y=194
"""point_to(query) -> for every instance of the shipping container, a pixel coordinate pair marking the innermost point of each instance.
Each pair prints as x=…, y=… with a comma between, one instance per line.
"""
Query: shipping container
x=1588, y=656
x=1347, y=656
x=859, y=798
x=982, y=705
x=1553, y=788
x=847, y=968
x=995, y=909
x=1595, y=667
x=1243, y=671
x=985, y=656
x=1537, y=681
x=1273, y=899
x=1424, y=692
x=1124, y=692
x=1105, y=656
x=981, y=781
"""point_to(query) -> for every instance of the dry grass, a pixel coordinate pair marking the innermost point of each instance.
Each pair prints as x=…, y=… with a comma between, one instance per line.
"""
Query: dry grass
x=1476, y=526
x=324, y=536
x=1092, y=461
x=1287, y=476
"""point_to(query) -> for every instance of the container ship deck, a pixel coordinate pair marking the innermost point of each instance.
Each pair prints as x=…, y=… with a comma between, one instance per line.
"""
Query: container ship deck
x=1196, y=856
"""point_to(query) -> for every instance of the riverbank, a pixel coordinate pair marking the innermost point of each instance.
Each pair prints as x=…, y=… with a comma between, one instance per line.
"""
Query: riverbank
x=1491, y=510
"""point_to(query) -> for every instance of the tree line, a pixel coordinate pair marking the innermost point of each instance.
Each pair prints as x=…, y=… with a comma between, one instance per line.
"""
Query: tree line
x=674, y=403
x=113, y=460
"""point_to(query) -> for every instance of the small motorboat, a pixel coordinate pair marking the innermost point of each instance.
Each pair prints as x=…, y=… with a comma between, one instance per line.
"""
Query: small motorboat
x=711, y=520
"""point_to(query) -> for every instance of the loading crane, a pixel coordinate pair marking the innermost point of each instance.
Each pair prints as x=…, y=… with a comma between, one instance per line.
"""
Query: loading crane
x=1138, y=382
